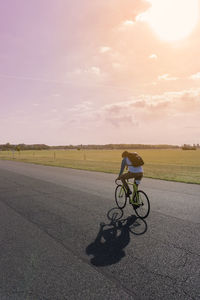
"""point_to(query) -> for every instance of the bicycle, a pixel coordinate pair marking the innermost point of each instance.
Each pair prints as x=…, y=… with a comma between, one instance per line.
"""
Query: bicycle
x=138, y=199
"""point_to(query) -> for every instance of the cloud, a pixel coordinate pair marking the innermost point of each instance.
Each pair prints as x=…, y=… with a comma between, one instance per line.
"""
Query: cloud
x=155, y=107
x=81, y=108
x=128, y=23
x=95, y=70
x=142, y=17
x=104, y=49
x=195, y=76
x=121, y=121
x=91, y=70
x=87, y=76
x=133, y=13
x=153, y=56
x=131, y=118
x=166, y=77
x=118, y=115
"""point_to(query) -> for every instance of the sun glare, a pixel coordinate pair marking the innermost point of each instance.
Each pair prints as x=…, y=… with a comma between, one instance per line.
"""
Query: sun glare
x=173, y=19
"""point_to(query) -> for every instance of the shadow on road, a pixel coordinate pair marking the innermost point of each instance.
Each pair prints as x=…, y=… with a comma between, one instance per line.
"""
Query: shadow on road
x=112, y=238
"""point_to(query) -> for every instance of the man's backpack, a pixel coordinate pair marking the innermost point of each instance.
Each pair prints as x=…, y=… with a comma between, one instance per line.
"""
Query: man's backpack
x=135, y=159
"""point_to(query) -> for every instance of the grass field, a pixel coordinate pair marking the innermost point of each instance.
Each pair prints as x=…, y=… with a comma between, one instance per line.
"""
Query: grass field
x=175, y=165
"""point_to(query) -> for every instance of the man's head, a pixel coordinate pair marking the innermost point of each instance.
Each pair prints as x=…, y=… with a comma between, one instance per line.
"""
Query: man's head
x=125, y=154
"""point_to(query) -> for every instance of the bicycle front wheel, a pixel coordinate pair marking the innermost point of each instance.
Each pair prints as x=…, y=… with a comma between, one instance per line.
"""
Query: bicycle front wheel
x=120, y=196
x=141, y=204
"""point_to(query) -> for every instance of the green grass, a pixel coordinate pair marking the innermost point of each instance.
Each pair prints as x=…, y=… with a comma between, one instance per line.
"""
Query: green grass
x=175, y=165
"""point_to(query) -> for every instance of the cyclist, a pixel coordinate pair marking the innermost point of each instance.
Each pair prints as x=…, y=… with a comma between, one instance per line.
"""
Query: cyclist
x=133, y=172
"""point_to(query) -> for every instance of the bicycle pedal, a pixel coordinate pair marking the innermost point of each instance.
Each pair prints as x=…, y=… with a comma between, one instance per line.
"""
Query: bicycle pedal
x=135, y=205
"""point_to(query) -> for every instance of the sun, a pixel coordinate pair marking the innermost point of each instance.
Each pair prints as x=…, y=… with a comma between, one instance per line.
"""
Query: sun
x=172, y=20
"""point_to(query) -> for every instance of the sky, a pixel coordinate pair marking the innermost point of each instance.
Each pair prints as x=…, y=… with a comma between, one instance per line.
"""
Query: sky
x=99, y=72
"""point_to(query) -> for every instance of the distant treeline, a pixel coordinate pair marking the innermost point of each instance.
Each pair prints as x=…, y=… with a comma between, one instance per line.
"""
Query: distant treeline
x=189, y=147
x=123, y=146
x=18, y=147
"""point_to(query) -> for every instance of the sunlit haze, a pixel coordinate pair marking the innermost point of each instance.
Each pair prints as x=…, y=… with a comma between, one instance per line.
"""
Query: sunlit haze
x=172, y=19
x=99, y=72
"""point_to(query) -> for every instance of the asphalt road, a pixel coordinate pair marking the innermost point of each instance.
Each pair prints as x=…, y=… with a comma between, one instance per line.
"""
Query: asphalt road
x=57, y=240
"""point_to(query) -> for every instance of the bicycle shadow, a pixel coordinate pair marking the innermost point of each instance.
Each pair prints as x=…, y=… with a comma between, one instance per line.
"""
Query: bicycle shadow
x=112, y=238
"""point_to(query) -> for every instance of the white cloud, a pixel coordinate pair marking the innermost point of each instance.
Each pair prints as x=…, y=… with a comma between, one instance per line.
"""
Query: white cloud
x=128, y=23
x=104, y=49
x=195, y=76
x=153, y=56
x=166, y=77
x=82, y=107
x=92, y=70
x=141, y=17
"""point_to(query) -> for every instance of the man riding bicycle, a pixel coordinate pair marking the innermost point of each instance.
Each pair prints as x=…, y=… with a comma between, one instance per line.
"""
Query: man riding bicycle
x=133, y=171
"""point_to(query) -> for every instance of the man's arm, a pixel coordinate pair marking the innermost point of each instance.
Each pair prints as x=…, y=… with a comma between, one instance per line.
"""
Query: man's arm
x=123, y=164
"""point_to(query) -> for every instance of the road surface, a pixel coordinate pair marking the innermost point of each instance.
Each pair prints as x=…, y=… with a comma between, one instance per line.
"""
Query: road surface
x=58, y=241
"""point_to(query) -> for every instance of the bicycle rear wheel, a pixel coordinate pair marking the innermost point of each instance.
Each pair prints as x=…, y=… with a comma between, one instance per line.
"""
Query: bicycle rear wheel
x=141, y=205
x=120, y=196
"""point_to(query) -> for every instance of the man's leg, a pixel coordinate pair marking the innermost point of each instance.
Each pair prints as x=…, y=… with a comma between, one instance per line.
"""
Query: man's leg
x=123, y=178
x=138, y=178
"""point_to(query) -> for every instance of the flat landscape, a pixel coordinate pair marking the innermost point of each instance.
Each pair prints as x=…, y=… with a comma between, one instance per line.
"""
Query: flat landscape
x=81, y=82
x=62, y=237
x=172, y=164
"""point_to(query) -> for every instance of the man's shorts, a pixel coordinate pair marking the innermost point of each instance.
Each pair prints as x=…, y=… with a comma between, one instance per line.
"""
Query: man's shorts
x=136, y=176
